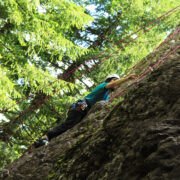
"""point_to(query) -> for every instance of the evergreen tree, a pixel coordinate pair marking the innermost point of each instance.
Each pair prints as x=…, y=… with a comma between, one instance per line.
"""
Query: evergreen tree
x=41, y=41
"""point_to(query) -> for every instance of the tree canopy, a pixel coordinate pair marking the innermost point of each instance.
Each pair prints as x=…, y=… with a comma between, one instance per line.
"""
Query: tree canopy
x=42, y=40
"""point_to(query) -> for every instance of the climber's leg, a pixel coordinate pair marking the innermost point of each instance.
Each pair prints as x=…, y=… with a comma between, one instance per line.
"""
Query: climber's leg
x=73, y=118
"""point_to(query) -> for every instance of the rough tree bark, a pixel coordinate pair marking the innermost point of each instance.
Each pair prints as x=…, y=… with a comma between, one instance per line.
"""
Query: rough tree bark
x=136, y=139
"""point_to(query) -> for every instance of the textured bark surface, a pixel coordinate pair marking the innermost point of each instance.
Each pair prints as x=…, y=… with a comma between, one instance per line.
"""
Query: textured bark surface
x=136, y=139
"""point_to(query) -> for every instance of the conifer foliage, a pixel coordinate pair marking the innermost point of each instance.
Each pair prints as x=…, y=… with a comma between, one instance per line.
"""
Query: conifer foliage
x=42, y=40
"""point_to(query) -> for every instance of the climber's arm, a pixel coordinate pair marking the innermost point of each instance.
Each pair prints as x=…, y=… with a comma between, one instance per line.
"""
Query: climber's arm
x=119, y=81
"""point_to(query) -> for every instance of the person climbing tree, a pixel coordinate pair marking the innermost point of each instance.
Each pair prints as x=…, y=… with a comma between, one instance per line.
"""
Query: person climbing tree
x=79, y=109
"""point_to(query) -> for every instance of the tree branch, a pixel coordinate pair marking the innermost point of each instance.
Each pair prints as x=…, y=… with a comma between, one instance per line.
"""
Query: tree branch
x=6, y=27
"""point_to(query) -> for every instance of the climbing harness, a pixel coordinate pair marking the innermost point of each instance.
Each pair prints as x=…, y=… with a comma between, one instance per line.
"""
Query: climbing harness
x=73, y=70
x=81, y=105
x=43, y=100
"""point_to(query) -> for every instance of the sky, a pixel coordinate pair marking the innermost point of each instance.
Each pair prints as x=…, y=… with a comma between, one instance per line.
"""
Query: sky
x=91, y=8
x=2, y=117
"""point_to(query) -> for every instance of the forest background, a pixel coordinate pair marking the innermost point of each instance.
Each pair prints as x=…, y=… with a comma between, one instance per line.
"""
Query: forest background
x=42, y=40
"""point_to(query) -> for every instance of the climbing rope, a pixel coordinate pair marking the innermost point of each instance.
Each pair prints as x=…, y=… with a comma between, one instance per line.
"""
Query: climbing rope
x=43, y=100
x=107, y=57
x=143, y=74
x=73, y=70
x=161, y=44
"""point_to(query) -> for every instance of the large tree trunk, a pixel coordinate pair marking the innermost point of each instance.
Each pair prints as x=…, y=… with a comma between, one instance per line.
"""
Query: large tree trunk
x=137, y=139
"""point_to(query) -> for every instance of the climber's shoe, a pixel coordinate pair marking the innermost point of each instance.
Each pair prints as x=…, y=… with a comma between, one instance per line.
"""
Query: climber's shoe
x=40, y=142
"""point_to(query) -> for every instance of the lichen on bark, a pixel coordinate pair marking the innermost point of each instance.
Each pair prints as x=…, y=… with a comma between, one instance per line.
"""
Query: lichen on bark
x=136, y=139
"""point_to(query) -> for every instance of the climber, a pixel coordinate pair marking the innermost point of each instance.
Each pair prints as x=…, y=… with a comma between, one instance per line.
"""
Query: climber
x=79, y=109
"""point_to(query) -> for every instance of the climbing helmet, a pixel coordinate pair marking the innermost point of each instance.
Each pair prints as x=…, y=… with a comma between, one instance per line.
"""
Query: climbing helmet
x=112, y=76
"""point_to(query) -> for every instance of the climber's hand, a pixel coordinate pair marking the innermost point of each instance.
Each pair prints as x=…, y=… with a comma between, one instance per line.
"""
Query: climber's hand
x=131, y=76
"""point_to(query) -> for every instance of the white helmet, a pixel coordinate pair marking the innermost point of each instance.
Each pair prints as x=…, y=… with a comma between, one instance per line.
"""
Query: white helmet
x=113, y=76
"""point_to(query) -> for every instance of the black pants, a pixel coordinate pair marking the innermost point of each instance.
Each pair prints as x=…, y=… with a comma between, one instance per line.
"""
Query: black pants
x=73, y=118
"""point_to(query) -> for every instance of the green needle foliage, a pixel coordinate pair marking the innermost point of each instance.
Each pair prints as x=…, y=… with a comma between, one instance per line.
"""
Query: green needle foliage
x=42, y=40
